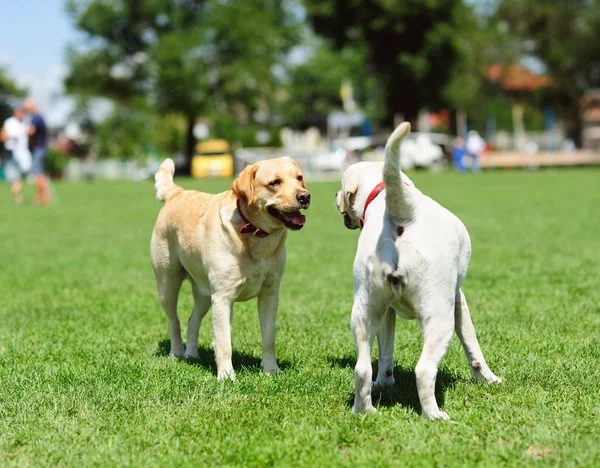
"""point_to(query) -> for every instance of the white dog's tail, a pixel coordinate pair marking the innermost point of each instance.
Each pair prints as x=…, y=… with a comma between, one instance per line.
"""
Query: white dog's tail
x=165, y=187
x=398, y=201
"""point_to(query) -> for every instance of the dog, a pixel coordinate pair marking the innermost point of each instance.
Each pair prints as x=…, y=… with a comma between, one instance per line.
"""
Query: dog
x=231, y=247
x=411, y=261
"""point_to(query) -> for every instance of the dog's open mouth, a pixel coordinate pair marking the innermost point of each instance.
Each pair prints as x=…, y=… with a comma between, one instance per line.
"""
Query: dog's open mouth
x=347, y=220
x=291, y=219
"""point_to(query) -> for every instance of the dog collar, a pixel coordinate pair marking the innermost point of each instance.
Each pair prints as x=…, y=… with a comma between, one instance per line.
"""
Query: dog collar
x=376, y=191
x=249, y=228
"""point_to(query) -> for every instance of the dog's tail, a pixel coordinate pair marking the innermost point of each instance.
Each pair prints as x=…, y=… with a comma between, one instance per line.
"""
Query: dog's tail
x=165, y=187
x=398, y=201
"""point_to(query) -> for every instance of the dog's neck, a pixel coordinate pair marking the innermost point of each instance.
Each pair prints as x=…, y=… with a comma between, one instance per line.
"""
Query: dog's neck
x=255, y=224
x=365, y=188
x=371, y=197
x=248, y=227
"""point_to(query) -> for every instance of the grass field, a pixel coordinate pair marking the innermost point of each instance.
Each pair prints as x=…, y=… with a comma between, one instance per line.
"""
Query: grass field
x=85, y=378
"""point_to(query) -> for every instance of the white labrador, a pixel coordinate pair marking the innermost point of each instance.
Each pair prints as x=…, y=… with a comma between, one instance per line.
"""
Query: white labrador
x=412, y=259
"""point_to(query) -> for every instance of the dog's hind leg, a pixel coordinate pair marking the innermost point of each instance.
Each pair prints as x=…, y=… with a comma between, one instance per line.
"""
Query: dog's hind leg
x=168, y=291
x=201, y=306
x=437, y=333
x=385, y=348
x=466, y=333
x=366, y=320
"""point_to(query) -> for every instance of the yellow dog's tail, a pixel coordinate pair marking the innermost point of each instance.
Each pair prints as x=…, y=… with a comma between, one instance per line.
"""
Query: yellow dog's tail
x=165, y=187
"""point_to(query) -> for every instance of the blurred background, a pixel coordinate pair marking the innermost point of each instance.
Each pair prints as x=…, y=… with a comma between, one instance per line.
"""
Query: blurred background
x=218, y=84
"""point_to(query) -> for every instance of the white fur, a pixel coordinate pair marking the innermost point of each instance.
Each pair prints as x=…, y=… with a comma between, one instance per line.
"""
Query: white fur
x=417, y=275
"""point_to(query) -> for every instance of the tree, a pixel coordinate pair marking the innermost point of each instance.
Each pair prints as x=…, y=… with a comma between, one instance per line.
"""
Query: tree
x=192, y=57
x=564, y=35
x=8, y=89
x=313, y=86
x=411, y=45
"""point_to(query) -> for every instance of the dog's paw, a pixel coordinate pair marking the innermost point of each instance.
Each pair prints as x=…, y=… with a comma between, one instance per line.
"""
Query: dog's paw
x=270, y=369
x=382, y=382
x=436, y=414
x=365, y=410
x=191, y=353
x=176, y=351
x=486, y=376
x=225, y=374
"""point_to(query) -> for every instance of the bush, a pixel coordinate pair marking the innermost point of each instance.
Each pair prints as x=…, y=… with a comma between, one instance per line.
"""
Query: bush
x=56, y=162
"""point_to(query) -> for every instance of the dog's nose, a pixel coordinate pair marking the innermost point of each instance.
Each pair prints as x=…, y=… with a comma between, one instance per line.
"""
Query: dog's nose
x=303, y=197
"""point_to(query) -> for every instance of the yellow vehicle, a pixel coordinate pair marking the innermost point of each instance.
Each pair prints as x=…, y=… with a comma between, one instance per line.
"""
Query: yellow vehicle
x=213, y=158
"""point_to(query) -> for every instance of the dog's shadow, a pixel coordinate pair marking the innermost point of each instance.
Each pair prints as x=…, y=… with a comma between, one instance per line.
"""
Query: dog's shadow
x=404, y=391
x=206, y=358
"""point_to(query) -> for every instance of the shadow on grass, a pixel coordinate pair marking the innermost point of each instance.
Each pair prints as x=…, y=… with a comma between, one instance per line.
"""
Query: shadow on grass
x=404, y=390
x=206, y=358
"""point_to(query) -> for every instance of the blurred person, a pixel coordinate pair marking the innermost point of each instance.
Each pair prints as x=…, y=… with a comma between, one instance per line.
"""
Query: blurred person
x=458, y=153
x=38, y=145
x=14, y=134
x=568, y=145
x=474, y=147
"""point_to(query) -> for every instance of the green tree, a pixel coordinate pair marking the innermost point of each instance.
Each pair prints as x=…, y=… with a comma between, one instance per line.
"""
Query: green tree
x=313, y=86
x=8, y=89
x=411, y=45
x=564, y=35
x=192, y=57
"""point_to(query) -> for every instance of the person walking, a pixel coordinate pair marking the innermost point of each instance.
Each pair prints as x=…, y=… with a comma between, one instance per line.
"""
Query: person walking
x=14, y=134
x=458, y=153
x=38, y=145
x=474, y=147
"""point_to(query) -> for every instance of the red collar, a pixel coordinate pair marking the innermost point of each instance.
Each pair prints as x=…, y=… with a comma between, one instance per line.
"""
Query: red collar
x=249, y=228
x=376, y=191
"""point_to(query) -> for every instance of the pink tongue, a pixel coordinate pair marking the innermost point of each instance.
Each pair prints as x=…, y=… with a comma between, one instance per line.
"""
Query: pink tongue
x=296, y=217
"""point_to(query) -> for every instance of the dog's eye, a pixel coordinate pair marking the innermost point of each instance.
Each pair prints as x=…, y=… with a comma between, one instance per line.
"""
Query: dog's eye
x=299, y=177
x=275, y=182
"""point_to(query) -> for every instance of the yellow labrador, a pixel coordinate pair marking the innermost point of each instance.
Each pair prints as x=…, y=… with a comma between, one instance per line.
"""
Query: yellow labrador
x=231, y=247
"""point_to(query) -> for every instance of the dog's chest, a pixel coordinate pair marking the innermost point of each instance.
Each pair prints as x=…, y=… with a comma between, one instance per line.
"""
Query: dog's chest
x=254, y=277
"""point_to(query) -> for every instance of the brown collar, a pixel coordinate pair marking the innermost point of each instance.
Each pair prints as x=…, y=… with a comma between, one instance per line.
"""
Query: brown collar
x=249, y=228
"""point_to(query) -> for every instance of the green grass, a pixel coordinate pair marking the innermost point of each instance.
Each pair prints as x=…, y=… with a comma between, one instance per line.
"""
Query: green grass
x=85, y=380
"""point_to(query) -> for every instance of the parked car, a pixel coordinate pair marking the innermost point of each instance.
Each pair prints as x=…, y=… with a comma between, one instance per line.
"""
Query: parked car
x=213, y=158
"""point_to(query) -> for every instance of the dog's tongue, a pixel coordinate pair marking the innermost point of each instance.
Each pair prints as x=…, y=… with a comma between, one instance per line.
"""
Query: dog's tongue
x=295, y=217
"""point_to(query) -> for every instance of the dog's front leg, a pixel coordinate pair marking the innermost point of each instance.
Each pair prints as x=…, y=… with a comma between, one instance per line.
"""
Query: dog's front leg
x=385, y=348
x=365, y=324
x=268, y=302
x=222, y=310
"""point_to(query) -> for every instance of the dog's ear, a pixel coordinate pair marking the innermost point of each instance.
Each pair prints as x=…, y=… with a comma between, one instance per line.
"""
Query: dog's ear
x=348, y=190
x=243, y=186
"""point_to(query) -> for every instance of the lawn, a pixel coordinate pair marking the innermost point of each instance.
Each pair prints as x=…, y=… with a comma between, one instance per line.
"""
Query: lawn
x=85, y=378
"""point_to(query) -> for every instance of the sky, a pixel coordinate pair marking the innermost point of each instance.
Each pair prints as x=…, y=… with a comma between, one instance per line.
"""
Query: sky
x=33, y=41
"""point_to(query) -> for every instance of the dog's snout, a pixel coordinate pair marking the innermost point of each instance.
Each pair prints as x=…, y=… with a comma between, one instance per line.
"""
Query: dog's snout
x=303, y=197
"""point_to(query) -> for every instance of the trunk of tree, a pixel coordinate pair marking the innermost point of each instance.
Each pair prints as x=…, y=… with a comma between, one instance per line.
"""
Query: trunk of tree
x=190, y=143
x=574, y=124
x=520, y=137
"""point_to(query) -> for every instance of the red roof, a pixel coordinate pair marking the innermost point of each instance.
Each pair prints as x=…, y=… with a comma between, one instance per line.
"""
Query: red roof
x=516, y=78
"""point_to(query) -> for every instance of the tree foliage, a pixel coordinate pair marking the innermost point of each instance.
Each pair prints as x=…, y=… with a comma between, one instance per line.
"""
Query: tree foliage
x=192, y=57
x=312, y=87
x=411, y=45
x=564, y=35
x=8, y=89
